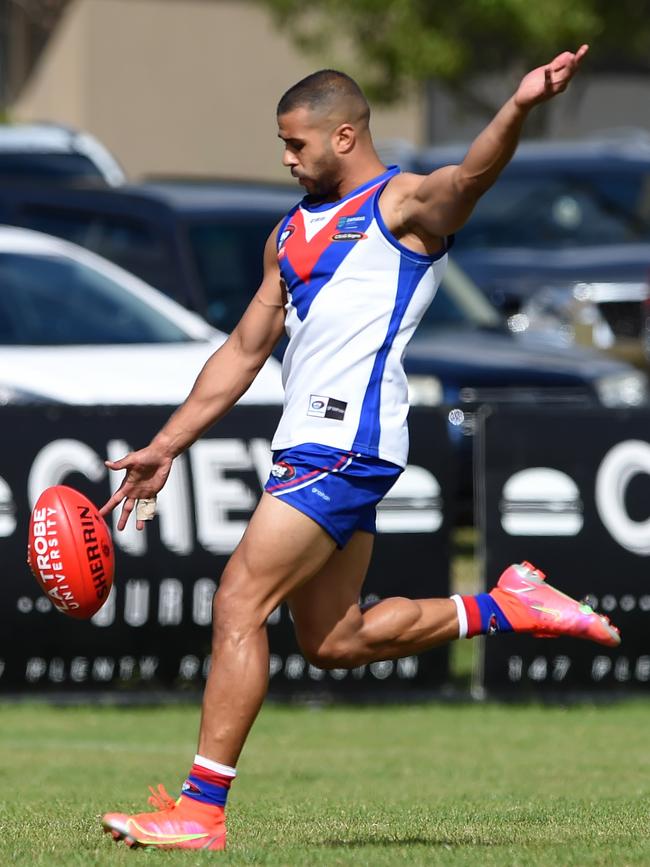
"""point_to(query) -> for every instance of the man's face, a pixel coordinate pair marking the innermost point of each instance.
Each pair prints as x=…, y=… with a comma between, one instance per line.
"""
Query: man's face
x=308, y=150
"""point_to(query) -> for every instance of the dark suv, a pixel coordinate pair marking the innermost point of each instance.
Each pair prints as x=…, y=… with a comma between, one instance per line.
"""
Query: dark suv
x=199, y=243
x=573, y=215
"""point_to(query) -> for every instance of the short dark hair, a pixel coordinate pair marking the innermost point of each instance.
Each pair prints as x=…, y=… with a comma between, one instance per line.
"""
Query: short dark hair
x=322, y=90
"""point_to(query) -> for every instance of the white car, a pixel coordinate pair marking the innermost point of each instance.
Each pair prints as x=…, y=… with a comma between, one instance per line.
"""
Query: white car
x=49, y=152
x=76, y=329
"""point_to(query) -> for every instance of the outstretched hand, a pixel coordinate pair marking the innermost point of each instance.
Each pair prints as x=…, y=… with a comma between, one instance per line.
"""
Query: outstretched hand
x=547, y=81
x=146, y=473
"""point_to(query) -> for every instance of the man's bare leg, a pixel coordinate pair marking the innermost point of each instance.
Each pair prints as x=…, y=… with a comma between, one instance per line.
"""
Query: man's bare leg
x=286, y=555
x=281, y=549
x=334, y=631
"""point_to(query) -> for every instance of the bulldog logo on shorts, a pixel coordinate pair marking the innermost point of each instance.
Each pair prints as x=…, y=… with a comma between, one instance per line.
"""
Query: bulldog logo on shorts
x=283, y=471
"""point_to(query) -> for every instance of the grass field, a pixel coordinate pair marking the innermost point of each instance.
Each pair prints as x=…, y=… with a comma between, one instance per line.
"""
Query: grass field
x=422, y=785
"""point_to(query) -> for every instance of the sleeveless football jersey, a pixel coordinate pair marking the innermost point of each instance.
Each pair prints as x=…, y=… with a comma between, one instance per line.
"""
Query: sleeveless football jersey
x=355, y=297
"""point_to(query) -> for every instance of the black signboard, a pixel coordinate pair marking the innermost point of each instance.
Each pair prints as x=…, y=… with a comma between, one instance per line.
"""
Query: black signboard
x=153, y=634
x=569, y=491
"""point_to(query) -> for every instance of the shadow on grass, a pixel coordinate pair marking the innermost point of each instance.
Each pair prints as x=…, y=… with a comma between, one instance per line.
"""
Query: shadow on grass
x=376, y=840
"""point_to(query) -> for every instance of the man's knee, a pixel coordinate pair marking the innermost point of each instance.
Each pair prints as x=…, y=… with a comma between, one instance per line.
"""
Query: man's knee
x=330, y=651
x=235, y=612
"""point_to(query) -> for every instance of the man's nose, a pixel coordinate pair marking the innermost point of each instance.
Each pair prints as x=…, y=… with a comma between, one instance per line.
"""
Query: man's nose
x=288, y=159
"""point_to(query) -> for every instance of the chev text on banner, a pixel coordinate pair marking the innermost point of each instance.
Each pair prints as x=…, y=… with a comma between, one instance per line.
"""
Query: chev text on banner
x=154, y=631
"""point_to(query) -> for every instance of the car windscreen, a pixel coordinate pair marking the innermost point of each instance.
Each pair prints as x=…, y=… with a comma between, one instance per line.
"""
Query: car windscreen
x=28, y=165
x=127, y=241
x=460, y=303
x=57, y=301
x=562, y=209
x=228, y=255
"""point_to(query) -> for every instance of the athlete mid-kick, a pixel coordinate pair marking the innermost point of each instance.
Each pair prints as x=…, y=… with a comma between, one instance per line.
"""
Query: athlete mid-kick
x=348, y=273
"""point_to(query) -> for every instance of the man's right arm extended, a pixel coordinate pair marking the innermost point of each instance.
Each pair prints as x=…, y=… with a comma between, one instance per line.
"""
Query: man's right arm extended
x=225, y=377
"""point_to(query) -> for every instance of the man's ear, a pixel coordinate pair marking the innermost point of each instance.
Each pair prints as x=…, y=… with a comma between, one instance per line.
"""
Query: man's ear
x=344, y=138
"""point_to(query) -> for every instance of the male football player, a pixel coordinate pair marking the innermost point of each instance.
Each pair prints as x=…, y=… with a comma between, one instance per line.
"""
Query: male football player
x=348, y=273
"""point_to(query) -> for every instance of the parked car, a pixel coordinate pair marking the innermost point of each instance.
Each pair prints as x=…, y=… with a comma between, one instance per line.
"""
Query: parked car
x=567, y=216
x=199, y=244
x=51, y=153
x=464, y=356
x=202, y=244
x=576, y=313
x=76, y=329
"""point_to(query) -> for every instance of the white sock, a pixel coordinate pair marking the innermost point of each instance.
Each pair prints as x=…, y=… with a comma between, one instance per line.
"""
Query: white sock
x=225, y=770
x=462, y=615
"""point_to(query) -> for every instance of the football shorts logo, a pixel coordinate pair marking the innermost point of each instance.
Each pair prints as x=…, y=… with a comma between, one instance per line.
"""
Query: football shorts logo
x=321, y=494
x=321, y=406
x=283, y=471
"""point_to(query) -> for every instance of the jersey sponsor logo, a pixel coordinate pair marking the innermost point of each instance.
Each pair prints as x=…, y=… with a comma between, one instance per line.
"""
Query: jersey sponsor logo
x=321, y=406
x=335, y=409
x=351, y=222
x=348, y=236
x=283, y=471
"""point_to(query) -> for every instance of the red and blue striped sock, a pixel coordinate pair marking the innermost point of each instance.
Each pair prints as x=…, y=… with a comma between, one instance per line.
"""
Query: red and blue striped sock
x=480, y=615
x=208, y=782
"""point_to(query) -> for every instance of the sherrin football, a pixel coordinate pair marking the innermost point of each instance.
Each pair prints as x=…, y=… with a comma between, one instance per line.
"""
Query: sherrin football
x=70, y=551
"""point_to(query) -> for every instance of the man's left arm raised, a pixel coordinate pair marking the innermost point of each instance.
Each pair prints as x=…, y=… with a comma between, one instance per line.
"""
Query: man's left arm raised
x=438, y=205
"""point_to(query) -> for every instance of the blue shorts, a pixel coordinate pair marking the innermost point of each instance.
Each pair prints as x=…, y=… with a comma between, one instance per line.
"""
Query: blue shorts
x=337, y=489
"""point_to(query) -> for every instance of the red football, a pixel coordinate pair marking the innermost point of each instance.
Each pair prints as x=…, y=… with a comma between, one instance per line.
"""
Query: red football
x=70, y=551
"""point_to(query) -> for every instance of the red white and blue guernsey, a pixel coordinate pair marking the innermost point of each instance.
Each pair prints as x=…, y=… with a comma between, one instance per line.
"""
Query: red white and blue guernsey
x=355, y=297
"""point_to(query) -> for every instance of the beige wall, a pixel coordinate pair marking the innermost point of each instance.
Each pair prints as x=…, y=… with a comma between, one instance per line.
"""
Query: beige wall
x=55, y=90
x=187, y=86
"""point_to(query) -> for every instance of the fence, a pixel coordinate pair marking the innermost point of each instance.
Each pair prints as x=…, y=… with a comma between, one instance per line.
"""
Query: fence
x=566, y=489
x=154, y=632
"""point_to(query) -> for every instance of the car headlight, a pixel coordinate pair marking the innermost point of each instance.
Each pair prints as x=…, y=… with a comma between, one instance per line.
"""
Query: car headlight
x=425, y=390
x=623, y=389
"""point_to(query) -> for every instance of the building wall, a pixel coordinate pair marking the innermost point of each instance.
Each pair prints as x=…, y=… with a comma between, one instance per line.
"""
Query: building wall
x=179, y=86
x=590, y=105
x=55, y=89
x=190, y=87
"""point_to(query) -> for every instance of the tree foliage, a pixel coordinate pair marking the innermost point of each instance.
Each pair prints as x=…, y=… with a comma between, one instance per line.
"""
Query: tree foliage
x=397, y=42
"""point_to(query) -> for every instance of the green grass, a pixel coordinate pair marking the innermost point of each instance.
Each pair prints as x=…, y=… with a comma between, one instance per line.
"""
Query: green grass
x=434, y=784
x=465, y=579
x=422, y=785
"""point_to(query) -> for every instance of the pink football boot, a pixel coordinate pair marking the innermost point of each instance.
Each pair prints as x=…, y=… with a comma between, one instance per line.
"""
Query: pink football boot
x=531, y=605
x=181, y=824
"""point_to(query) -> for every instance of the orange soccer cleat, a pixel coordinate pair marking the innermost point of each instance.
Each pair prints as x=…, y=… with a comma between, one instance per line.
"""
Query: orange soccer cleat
x=531, y=605
x=181, y=824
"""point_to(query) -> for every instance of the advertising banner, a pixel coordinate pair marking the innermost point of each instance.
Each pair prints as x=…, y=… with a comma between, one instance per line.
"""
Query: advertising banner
x=153, y=634
x=569, y=491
